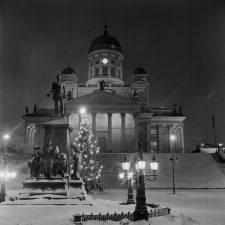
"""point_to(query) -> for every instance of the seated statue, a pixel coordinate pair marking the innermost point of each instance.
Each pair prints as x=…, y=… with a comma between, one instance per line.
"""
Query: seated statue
x=59, y=165
x=35, y=162
x=102, y=85
x=47, y=160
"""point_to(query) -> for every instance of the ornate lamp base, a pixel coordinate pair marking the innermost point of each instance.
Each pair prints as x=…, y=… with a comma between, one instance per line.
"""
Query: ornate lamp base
x=141, y=215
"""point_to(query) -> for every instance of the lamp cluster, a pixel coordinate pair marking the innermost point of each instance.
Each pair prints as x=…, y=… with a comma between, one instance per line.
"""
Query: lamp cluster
x=31, y=128
x=140, y=166
x=177, y=128
x=7, y=174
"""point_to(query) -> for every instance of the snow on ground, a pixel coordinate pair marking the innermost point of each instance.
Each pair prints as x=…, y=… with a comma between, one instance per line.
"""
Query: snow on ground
x=189, y=207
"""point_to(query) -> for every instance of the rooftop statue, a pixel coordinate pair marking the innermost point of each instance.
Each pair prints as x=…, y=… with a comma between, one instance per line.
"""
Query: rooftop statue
x=58, y=94
x=102, y=85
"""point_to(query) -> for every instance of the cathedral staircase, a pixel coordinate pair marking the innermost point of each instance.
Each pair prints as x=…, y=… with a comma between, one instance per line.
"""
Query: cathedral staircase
x=111, y=168
x=196, y=170
x=192, y=170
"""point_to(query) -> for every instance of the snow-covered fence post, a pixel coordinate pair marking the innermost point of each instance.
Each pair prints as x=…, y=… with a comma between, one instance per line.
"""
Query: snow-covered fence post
x=78, y=219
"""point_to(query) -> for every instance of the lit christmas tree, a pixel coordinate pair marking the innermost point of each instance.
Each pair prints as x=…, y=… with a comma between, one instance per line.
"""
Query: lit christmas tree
x=89, y=168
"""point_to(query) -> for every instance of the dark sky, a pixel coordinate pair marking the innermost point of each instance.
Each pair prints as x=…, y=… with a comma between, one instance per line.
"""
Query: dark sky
x=180, y=43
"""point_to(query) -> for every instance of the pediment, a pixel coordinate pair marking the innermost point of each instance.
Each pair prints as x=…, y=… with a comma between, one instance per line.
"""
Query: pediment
x=102, y=101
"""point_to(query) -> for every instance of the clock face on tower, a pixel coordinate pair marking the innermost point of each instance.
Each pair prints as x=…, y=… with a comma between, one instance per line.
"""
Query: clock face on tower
x=105, y=61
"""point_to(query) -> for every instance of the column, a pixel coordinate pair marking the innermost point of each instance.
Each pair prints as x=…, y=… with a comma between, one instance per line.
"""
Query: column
x=41, y=135
x=79, y=120
x=29, y=140
x=170, y=132
x=25, y=146
x=32, y=141
x=148, y=136
x=39, y=138
x=94, y=124
x=182, y=138
x=123, y=139
x=109, y=149
x=158, y=137
x=178, y=147
x=136, y=127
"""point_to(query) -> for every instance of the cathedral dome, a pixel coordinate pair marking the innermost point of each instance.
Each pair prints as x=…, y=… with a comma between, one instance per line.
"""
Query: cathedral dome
x=139, y=70
x=68, y=70
x=105, y=41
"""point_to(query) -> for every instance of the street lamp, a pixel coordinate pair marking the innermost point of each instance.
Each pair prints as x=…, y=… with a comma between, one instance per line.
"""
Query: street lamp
x=173, y=159
x=154, y=165
x=6, y=138
x=141, y=211
x=127, y=171
x=4, y=172
x=82, y=110
x=219, y=147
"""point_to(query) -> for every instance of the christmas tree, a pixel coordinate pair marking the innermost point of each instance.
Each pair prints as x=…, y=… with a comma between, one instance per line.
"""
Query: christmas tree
x=89, y=168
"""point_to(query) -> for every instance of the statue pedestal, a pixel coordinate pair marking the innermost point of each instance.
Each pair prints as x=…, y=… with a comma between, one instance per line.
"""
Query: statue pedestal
x=57, y=131
x=76, y=190
x=55, y=188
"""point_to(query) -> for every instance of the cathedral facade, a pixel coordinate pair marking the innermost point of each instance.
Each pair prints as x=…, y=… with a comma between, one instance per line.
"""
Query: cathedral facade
x=119, y=113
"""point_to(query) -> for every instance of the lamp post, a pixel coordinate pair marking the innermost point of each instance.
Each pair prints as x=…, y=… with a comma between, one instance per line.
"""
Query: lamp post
x=6, y=138
x=140, y=211
x=4, y=173
x=219, y=147
x=173, y=159
x=128, y=172
x=4, y=170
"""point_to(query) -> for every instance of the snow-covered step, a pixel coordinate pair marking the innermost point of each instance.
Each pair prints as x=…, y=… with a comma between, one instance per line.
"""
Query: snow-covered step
x=196, y=170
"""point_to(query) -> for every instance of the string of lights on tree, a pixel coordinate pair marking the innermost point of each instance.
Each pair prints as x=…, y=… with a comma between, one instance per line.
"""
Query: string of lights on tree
x=90, y=169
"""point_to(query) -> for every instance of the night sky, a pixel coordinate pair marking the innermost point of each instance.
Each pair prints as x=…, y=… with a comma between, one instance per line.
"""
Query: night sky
x=180, y=43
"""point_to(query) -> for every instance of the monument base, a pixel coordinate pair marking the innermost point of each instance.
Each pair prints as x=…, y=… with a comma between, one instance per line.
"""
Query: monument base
x=54, y=188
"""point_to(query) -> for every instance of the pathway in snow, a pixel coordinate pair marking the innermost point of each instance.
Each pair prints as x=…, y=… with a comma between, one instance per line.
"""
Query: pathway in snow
x=189, y=207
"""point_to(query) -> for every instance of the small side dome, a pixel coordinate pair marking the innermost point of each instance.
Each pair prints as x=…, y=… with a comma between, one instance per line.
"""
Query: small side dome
x=68, y=70
x=139, y=70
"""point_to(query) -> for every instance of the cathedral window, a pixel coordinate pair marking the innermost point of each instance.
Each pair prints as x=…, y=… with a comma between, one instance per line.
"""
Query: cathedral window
x=153, y=131
x=96, y=62
x=153, y=146
x=113, y=62
x=113, y=72
x=96, y=71
x=119, y=73
x=105, y=71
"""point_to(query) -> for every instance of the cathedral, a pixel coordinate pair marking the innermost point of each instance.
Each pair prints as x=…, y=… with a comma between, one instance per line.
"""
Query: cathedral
x=119, y=113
